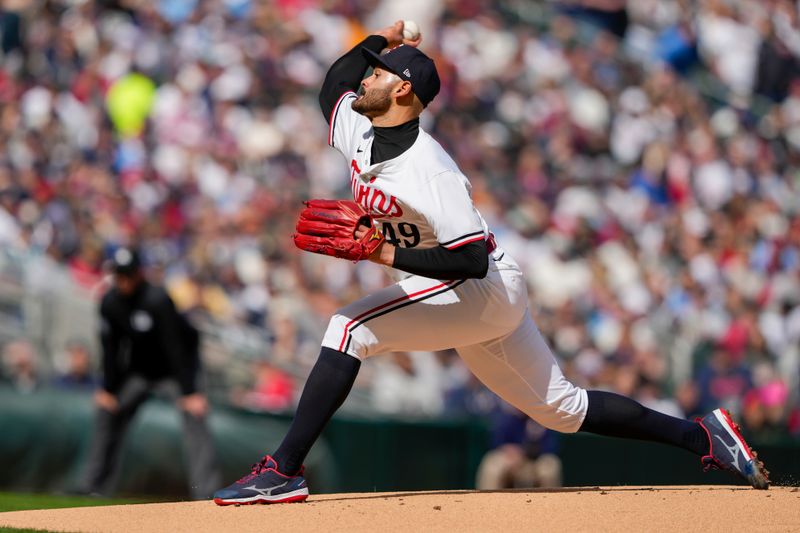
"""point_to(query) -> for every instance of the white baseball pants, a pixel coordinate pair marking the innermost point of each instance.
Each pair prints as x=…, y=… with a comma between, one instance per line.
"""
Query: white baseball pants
x=486, y=320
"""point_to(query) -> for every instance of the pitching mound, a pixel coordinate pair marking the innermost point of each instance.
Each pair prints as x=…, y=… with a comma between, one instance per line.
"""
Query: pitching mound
x=569, y=509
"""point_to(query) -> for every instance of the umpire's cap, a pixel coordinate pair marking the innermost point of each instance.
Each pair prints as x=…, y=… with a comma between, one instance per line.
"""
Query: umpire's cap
x=125, y=261
x=409, y=64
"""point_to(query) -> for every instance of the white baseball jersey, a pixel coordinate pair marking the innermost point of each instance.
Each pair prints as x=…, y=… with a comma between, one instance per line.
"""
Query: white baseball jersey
x=421, y=199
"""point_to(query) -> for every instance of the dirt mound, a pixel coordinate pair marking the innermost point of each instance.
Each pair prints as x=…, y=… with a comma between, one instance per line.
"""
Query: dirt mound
x=698, y=508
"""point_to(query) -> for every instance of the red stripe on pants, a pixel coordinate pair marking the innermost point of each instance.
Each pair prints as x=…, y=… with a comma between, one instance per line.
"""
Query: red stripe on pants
x=383, y=306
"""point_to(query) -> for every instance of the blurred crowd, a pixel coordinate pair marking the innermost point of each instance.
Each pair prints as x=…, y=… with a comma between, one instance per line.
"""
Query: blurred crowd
x=640, y=160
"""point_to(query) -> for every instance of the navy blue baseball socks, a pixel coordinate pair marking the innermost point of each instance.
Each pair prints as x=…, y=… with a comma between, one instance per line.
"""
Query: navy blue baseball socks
x=715, y=437
x=326, y=389
x=729, y=451
x=614, y=415
x=264, y=484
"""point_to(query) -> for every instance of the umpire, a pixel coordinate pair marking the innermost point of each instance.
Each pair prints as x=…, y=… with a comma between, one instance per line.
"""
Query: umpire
x=147, y=347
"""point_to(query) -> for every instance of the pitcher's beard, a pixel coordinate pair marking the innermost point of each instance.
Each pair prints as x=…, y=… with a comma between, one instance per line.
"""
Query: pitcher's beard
x=374, y=103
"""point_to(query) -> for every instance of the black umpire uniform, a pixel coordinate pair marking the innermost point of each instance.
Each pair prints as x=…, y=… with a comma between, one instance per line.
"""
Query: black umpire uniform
x=148, y=346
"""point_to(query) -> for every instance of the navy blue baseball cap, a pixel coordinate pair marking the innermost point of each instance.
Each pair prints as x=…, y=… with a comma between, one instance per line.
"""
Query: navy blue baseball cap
x=411, y=65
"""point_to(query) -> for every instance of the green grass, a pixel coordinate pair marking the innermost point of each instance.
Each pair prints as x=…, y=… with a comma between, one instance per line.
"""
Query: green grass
x=13, y=501
x=15, y=530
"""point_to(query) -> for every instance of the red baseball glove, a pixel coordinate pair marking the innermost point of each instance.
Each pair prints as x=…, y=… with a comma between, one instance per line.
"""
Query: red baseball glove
x=328, y=227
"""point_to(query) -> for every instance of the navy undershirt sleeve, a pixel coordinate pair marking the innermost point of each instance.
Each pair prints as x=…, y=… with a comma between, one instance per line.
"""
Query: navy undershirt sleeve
x=468, y=261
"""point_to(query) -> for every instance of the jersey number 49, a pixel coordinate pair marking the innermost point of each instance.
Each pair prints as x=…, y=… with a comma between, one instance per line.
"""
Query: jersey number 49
x=409, y=234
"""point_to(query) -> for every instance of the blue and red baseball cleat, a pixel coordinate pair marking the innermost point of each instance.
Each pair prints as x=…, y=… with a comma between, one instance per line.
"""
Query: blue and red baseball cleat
x=729, y=451
x=264, y=484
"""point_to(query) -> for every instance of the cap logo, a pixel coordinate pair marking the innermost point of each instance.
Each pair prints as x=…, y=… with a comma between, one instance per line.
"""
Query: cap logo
x=407, y=73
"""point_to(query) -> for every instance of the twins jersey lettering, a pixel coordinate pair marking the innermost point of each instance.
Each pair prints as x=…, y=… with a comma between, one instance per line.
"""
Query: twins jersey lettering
x=418, y=199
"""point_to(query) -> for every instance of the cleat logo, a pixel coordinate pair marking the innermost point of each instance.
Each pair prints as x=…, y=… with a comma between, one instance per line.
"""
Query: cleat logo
x=733, y=450
x=266, y=492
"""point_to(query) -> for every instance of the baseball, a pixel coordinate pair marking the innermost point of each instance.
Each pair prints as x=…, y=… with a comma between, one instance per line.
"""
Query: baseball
x=410, y=30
